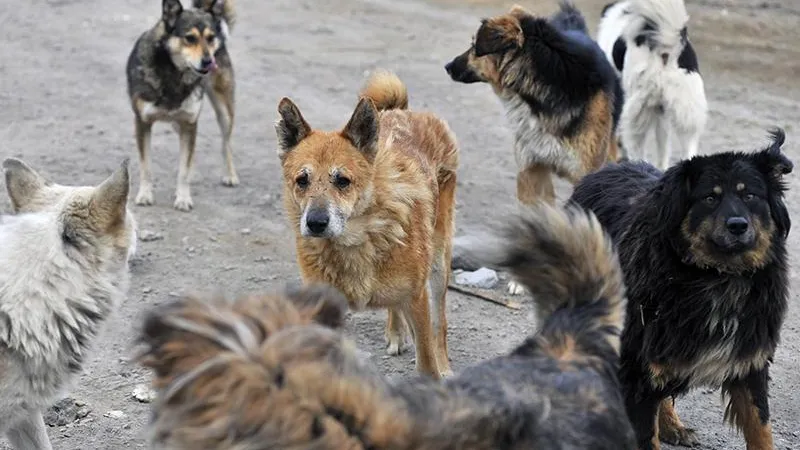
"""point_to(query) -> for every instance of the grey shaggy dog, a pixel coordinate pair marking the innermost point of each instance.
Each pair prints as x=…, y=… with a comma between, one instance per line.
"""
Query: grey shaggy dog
x=63, y=269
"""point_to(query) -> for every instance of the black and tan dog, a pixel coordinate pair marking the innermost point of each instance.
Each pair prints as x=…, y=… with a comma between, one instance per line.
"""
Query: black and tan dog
x=703, y=249
x=274, y=372
x=169, y=70
x=561, y=95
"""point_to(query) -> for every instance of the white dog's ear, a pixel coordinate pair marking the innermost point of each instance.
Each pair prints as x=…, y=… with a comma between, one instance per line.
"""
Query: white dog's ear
x=291, y=127
x=22, y=182
x=110, y=199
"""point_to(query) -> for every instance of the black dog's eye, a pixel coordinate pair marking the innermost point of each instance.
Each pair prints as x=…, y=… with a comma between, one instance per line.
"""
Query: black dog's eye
x=748, y=197
x=210, y=39
x=190, y=39
x=341, y=182
x=302, y=181
x=710, y=199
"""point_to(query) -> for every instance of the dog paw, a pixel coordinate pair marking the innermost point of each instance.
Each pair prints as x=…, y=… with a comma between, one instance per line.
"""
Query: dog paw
x=183, y=204
x=684, y=437
x=144, y=198
x=230, y=181
x=515, y=288
x=394, y=348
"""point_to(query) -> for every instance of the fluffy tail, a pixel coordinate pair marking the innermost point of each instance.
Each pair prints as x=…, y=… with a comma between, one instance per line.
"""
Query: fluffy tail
x=662, y=22
x=569, y=18
x=267, y=369
x=386, y=90
x=568, y=262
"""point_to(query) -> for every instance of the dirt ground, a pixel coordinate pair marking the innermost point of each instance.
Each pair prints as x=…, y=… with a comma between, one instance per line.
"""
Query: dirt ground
x=64, y=110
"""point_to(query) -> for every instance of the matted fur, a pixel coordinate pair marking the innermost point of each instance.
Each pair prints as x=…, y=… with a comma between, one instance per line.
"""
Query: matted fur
x=63, y=269
x=707, y=297
x=372, y=211
x=274, y=372
x=170, y=69
x=648, y=43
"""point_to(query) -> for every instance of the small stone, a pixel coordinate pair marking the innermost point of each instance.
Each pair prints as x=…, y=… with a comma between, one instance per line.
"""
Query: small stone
x=143, y=393
x=65, y=411
x=147, y=290
x=150, y=236
x=245, y=231
x=114, y=414
x=482, y=278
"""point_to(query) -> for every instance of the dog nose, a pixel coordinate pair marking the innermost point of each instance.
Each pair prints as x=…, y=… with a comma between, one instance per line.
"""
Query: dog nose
x=449, y=68
x=206, y=62
x=737, y=225
x=317, y=221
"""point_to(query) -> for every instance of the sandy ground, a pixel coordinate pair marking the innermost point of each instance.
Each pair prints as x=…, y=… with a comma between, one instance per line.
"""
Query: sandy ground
x=64, y=110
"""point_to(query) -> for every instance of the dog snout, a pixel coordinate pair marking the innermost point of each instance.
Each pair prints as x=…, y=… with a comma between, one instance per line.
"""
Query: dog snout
x=206, y=62
x=449, y=68
x=317, y=220
x=737, y=225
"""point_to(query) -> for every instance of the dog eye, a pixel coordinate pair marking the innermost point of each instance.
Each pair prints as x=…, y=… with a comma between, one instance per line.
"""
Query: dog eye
x=190, y=39
x=210, y=39
x=341, y=182
x=749, y=197
x=302, y=181
x=710, y=199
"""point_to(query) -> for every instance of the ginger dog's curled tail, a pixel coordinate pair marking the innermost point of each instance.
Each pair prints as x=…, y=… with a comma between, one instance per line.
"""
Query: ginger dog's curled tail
x=264, y=370
x=568, y=262
x=386, y=91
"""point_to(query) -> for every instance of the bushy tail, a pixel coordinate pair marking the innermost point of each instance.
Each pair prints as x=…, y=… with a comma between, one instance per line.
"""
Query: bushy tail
x=569, y=17
x=264, y=370
x=666, y=19
x=386, y=90
x=568, y=262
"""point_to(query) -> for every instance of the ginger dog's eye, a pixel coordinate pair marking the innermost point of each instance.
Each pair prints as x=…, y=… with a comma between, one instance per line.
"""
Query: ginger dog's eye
x=302, y=181
x=341, y=182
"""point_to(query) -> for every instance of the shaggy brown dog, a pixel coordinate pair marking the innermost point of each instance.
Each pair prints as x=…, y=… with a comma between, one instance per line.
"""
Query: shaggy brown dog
x=273, y=372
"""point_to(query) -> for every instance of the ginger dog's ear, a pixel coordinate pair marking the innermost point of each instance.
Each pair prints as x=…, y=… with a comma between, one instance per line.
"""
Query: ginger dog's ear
x=291, y=127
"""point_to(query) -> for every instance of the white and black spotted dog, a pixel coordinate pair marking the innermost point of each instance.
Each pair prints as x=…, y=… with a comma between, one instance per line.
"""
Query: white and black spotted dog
x=647, y=41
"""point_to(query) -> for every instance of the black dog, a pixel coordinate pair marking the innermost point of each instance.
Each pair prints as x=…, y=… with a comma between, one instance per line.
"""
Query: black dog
x=703, y=249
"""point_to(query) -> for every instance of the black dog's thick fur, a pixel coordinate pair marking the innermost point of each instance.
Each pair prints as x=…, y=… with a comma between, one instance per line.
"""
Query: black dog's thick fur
x=697, y=317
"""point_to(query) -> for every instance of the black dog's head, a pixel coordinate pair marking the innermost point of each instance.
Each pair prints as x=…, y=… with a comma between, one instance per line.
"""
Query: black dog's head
x=725, y=211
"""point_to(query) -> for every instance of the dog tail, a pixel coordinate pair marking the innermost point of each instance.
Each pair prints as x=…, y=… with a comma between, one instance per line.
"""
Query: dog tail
x=386, y=90
x=569, y=17
x=662, y=21
x=568, y=262
x=234, y=375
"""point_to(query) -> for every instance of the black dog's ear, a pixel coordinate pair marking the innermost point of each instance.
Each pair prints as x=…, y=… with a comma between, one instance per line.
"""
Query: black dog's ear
x=170, y=11
x=670, y=202
x=214, y=7
x=291, y=127
x=771, y=161
x=498, y=34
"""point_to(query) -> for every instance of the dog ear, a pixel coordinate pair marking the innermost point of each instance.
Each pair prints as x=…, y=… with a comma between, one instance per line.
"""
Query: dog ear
x=214, y=7
x=291, y=127
x=670, y=202
x=362, y=129
x=498, y=35
x=774, y=164
x=170, y=10
x=518, y=11
x=22, y=182
x=326, y=304
x=108, y=206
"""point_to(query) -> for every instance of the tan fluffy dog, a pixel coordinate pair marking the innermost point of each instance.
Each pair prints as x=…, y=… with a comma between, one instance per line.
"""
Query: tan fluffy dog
x=372, y=210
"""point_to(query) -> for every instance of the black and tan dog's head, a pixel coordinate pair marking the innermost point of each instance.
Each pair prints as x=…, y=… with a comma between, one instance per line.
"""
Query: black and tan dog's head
x=726, y=211
x=497, y=42
x=193, y=36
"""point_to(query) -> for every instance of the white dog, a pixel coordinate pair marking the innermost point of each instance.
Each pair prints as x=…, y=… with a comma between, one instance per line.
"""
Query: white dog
x=648, y=44
x=63, y=269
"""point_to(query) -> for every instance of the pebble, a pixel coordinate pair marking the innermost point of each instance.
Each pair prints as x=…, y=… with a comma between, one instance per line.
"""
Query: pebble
x=482, y=278
x=150, y=236
x=114, y=414
x=143, y=393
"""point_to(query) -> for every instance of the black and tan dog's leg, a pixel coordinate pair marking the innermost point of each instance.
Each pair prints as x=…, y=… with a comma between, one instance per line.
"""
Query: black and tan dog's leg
x=748, y=409
x=642, y=413
x=220, y=91
x=188, y=136
x=671, y=429
x=143, y=133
